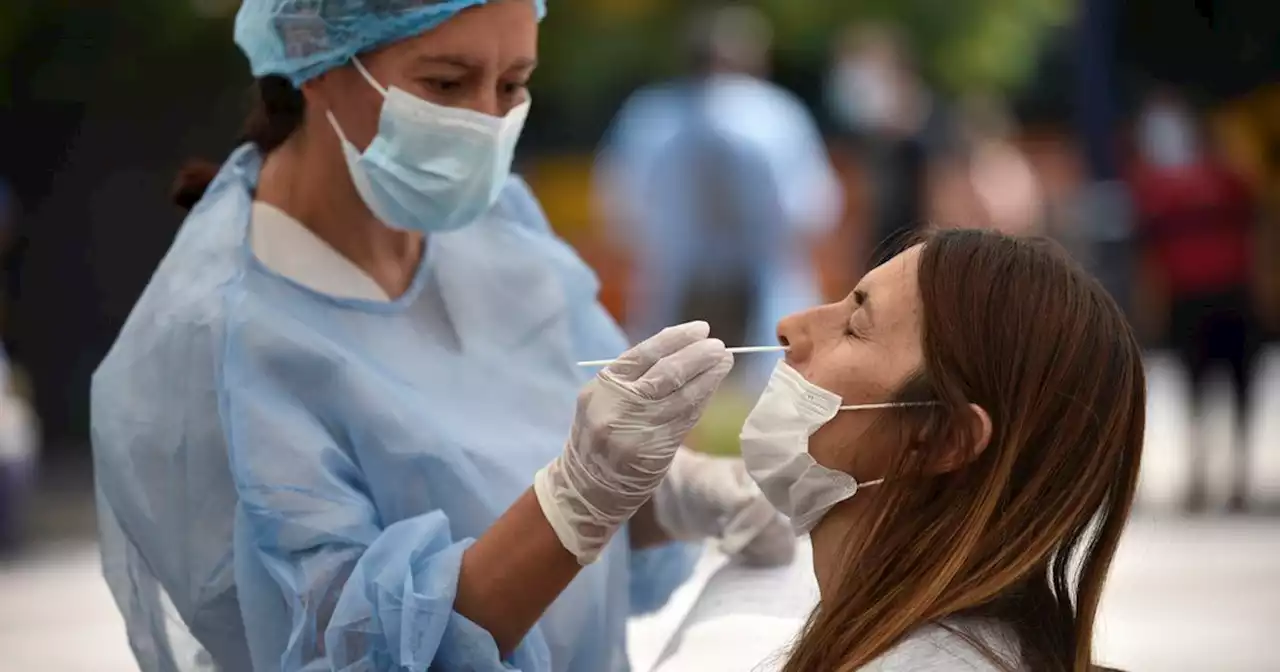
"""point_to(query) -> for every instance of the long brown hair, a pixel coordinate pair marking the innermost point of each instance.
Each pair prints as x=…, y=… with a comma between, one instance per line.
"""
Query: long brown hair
x=1022, y=536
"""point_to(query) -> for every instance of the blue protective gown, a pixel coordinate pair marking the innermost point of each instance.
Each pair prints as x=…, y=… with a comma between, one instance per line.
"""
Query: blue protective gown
x=288, y=480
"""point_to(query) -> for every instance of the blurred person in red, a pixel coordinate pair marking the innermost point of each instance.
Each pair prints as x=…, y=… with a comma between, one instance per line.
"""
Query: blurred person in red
x=1196, y=222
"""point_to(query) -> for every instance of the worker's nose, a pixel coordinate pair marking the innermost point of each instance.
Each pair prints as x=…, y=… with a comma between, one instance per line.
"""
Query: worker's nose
x=793, y=334
x=484, y=101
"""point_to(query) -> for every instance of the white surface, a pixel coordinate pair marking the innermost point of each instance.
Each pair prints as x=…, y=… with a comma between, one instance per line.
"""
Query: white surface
x=1185, y=595
x=731, y=615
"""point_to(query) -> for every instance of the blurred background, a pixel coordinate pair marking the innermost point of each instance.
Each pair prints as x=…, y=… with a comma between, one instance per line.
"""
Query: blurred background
x=1143, y=135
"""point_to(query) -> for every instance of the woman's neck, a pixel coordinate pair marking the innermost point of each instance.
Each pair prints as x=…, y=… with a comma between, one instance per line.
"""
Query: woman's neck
x=835, y=535
x=318, y=192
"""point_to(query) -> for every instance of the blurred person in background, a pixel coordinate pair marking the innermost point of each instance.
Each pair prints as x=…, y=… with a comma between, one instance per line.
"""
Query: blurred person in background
x=8, y=236
x=981, y=178
x=962, y=437
x=344, y=426
x=19, y=443
x=720, y=185
x=884, y=110
x=18, y=430
x=1005, y=187
x=1196, y=223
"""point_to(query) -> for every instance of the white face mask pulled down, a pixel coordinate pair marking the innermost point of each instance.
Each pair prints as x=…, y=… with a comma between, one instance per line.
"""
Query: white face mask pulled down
x=775, y=447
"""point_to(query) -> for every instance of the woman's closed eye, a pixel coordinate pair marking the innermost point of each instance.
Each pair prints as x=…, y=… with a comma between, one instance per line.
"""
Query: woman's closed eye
x=854, y=329
x=858, y=323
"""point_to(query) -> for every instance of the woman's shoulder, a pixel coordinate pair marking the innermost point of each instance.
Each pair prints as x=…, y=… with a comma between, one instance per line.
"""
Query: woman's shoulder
x=952, y=646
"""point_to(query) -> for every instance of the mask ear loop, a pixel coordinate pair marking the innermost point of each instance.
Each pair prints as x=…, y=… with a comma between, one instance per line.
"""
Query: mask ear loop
x=368, y=77
x=891, y=404
x=333, y=121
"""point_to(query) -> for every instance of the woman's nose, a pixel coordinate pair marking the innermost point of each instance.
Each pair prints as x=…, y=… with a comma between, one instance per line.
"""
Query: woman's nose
x=793, y=334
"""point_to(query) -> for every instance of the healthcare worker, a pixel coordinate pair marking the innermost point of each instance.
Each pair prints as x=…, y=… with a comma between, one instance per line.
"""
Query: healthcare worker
x=344, y=428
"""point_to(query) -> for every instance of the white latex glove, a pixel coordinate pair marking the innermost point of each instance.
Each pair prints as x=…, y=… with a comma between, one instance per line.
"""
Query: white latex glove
x=630, y=422
x=705, y=496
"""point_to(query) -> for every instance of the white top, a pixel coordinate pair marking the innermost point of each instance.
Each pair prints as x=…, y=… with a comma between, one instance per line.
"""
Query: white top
x=934, y=648
x=286, y=246
x=758, y=643
x=729, y=618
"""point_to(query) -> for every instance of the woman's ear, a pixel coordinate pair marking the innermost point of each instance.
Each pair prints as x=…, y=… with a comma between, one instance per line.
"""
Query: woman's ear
x=963, y=447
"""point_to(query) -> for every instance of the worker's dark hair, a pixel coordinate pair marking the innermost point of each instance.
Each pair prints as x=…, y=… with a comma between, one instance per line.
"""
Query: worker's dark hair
x=275, y=113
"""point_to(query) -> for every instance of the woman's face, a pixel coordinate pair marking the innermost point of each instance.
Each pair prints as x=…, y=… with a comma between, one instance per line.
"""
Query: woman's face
x=480, y=59
x=864, y=348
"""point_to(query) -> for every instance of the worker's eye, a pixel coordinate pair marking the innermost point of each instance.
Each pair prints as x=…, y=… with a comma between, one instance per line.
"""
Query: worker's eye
x=440, y=85
x=511, y=90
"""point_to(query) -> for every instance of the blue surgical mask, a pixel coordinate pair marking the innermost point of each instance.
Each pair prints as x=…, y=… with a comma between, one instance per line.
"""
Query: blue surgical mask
x=431, y=168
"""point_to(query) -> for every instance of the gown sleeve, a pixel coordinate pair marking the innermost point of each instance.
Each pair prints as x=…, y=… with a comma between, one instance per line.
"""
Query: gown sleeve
x=356, y=594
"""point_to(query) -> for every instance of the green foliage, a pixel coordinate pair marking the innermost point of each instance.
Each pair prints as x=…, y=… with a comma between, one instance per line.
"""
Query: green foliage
x=593, y=51
x=64, y=47
x=717, y=432
x=590, y=46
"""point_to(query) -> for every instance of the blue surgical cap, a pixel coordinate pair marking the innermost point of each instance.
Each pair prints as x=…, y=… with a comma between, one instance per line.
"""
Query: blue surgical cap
x=302, y=39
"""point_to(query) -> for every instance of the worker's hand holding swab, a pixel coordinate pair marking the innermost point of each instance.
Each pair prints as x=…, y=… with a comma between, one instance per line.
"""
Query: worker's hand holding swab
x=631, y=419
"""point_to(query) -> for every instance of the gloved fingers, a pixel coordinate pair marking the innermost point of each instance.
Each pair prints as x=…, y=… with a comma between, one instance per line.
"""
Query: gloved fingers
x=774, y=547
x=682, y=408
x=676, y=370
x=634, y=363
x=759, y=536
x=700, y=388
x=738, y=472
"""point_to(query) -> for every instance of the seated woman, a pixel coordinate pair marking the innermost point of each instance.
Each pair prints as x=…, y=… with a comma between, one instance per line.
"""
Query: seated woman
x=965, y=517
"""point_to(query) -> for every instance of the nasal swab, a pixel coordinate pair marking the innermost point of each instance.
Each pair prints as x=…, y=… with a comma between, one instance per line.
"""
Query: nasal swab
x=736, y=351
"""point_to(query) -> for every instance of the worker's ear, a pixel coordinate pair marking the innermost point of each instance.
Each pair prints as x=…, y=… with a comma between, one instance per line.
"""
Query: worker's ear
x=965, y=441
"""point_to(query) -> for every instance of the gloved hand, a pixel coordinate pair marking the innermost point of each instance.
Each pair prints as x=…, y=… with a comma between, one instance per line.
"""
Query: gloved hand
x=630, y=422
x=705, y=496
